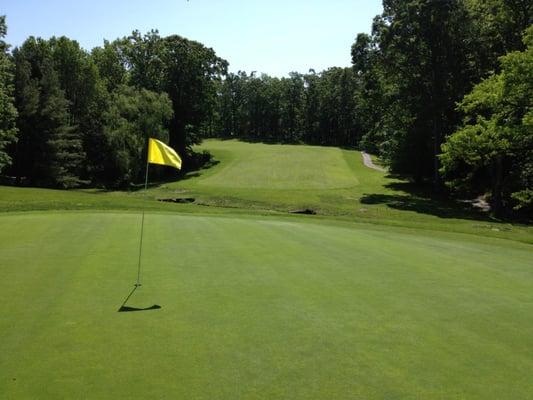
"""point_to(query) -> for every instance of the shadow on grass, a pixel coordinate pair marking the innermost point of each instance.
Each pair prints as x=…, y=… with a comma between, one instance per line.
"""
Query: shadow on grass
x=128, y=309
x=125, y=308
x=182, y=176
x=420, y=199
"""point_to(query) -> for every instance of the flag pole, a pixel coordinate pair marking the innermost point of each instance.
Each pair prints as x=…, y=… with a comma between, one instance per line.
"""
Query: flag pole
x=158, y=153
x=142, y=230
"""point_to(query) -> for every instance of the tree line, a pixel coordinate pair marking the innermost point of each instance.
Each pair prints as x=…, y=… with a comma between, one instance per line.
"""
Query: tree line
x=315, y=108
x=447, y=91
x=70, y=117
x=440, y=89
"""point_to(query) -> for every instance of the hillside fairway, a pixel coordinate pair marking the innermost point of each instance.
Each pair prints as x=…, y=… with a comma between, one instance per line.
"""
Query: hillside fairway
x=259, y=308
x=275, y=166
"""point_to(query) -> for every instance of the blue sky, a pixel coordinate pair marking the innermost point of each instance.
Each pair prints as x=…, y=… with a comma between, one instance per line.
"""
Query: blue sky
x=275, y=37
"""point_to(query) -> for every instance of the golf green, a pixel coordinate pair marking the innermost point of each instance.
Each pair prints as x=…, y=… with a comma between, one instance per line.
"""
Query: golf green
x=259, y=308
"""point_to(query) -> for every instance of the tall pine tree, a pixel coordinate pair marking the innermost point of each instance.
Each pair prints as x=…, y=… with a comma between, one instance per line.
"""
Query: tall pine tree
x=50, y=150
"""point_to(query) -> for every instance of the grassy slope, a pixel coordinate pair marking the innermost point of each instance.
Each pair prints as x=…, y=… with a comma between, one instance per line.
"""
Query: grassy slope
x=260, y=307
x=262, y=166
x=273, y=179
x=330, y=180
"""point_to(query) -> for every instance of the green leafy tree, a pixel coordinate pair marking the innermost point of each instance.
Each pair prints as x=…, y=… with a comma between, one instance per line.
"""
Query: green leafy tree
x=86, y=94
x=230, y=105
x=372, y=102
x=415, y=66
x=493, y=150
x=8, y=112
x=292, y=98
x=336, y=114
x=132, y=117
x=499, y=26
x=312, y=108
x=110, y=65
x=184, y=69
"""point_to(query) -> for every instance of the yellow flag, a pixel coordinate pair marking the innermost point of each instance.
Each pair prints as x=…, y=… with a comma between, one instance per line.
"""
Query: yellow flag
x=160, y=153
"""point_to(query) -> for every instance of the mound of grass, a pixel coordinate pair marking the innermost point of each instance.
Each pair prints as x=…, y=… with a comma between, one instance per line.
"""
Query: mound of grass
x=259, y=307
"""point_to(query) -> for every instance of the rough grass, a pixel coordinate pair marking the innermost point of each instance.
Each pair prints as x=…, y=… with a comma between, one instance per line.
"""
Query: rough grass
x=260, y=308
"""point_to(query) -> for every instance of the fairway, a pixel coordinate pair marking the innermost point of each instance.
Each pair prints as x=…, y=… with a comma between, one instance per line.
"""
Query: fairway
x=276, y=166
x=259, y=308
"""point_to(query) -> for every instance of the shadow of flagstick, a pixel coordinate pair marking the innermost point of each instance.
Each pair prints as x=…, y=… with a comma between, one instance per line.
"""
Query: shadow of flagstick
x=125, y=308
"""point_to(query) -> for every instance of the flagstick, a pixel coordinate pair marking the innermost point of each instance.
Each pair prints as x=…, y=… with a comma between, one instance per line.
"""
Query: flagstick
x=146, y=179
x=142, y=230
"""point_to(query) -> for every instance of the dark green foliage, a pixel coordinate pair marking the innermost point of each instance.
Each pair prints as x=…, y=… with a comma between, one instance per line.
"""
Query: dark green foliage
x=184, y=69
x=86, y=95
x=372, y=103
x=132, y=117
x=312, y=108
x=110, y=65
x=8, y=112
x=78, y=122
x=50, y=150
x=63, y=156
x=426, y=69
x=336, y=112
x=493, y=150
x=498, y=27
x=422, y=58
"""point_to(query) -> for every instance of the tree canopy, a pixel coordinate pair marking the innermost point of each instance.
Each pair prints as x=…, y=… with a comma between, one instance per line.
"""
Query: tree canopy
x=493, y=149
x=440, y=89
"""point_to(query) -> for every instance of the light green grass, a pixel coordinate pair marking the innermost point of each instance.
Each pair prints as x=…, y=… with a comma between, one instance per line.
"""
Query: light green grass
x=263, y=166
x=260, y=308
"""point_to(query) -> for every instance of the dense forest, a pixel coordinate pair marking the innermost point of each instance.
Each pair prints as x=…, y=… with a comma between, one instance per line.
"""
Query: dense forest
x=441, y=89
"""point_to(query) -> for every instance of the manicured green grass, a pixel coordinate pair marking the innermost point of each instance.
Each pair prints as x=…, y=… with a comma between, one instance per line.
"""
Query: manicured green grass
x=263, y=166
x=260, y=308
x=386, y=293
x=273, y=179
x=334, y=182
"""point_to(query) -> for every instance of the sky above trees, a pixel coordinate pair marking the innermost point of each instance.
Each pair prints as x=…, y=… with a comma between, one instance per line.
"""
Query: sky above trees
x=275, y=36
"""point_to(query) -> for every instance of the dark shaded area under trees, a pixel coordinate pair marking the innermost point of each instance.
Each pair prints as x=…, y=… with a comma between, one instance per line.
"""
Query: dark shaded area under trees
x=441, y=89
